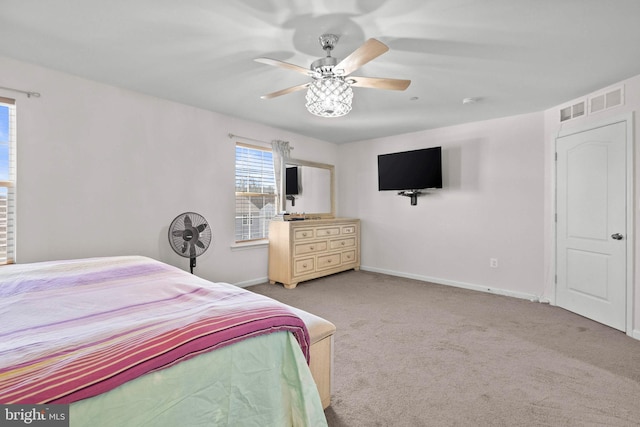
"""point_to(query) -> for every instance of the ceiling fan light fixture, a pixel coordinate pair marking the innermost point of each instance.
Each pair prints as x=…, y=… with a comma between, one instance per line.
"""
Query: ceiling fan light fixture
x=329, y=94
x=329, y=97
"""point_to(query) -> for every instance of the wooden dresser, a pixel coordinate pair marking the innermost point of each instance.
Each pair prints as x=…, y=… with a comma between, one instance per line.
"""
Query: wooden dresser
x=304, y=250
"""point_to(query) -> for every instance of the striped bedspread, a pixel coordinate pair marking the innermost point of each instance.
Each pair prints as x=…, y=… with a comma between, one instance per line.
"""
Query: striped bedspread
x=74, y=329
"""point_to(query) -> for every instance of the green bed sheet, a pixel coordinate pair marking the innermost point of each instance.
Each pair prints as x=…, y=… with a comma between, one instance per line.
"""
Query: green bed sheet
x=262, y=381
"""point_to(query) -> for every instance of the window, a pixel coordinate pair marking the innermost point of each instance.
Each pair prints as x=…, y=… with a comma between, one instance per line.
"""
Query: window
x=7, y=179
x=255, y=192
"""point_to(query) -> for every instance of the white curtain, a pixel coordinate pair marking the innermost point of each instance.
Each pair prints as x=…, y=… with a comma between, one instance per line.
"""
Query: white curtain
x=281, y=152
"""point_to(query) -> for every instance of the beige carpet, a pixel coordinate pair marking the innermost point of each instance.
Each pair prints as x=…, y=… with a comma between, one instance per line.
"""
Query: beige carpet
x=411, y=353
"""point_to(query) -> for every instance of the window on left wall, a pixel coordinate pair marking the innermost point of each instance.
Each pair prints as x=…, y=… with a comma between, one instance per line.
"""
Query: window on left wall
x=7, y=179
x=255, y=192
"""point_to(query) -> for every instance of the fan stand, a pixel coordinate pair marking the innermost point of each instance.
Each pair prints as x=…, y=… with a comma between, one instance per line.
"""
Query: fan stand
x=192, y=264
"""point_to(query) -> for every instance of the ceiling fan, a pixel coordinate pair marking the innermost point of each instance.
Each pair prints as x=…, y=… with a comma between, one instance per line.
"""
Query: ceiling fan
x=329, y=92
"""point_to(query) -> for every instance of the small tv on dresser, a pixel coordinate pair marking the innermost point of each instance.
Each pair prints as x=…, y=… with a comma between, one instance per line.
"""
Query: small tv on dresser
x=292, y=183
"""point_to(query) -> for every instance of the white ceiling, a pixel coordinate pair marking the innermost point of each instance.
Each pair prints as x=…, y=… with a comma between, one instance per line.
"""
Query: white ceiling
x=517, y=56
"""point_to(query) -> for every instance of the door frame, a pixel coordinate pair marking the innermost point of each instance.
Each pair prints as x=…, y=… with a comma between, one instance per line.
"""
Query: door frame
x=629, y=198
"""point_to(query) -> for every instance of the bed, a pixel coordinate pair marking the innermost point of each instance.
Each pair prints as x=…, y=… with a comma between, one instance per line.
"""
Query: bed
x=131, y=341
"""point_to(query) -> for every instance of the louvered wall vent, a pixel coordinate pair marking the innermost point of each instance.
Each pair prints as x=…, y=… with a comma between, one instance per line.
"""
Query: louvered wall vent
x=572, y=111
x=599, y=102
x=606, y=100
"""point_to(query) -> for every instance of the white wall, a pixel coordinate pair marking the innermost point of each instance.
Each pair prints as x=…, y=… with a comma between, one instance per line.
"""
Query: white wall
x=491, y=206
x=103, y=171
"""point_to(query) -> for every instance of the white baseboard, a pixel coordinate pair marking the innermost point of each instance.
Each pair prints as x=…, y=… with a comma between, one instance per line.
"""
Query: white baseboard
x=251, y=282
x=471, y=286
x=636, y=334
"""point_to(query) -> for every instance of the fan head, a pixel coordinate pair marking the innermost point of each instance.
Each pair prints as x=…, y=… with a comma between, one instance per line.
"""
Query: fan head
x=189, y=235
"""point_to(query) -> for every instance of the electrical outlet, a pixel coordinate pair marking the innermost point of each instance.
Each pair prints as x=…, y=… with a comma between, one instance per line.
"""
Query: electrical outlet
x=493, y=262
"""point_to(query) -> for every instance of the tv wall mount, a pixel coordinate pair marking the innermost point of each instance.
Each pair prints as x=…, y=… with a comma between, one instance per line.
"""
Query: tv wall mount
x=413, y=194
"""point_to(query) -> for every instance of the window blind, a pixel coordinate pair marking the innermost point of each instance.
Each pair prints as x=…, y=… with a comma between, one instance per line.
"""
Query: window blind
x=255, y=192
x=7, y=179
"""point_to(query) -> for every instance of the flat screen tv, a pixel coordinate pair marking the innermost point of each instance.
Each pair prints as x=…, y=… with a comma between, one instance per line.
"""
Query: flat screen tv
x=292, y=185
x=410, y=170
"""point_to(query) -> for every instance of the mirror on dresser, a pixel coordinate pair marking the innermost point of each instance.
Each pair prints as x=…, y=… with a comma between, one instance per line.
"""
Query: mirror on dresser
x=314, y=193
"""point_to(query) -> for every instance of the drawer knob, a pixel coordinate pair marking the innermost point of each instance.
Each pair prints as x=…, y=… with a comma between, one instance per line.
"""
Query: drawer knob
x=342, y=243
x=304, y=265
x=329, y=261
x=304, y=234
x=312, y=247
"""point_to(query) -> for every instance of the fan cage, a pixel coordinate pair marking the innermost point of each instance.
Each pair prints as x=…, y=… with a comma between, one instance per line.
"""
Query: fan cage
x=179, y=229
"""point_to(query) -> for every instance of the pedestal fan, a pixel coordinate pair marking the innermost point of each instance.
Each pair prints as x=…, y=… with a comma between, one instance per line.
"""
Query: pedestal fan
x=189, y=236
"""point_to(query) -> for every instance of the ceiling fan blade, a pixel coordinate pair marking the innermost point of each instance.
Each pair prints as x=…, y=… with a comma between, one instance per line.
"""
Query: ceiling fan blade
x=371, y=49
x=378, y=83
x=285, y=91
x=285, y=65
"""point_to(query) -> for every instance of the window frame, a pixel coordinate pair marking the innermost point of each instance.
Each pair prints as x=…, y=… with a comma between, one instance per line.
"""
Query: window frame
x=8, y=188
x=252, y=226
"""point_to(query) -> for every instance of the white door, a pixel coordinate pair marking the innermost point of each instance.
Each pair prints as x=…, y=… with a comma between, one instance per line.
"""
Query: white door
x=591, y=224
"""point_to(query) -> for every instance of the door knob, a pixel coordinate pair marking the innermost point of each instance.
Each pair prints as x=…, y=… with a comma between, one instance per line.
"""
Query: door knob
x=616, y=236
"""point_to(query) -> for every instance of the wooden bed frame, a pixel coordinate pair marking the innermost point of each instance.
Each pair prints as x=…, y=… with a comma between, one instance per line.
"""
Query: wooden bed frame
x=321, y=352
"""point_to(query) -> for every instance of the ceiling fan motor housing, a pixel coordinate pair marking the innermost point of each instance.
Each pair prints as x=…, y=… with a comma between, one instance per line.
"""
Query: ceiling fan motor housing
x=324, y=66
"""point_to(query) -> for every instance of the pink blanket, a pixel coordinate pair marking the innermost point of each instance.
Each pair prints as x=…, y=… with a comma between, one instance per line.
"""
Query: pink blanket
x=74, y=329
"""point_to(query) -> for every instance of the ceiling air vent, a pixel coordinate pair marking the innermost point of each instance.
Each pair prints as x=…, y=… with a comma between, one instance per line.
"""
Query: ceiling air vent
x=606, y=100
x=572, y=111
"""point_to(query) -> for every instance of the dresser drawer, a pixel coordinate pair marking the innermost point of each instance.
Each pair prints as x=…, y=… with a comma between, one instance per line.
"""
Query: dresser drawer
x=348, y=257
x=309, y=248
x=302, y=266
x=328, y=231
x=342, y=243
x=306, y=233
x=328, y=261
x=348, y=229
